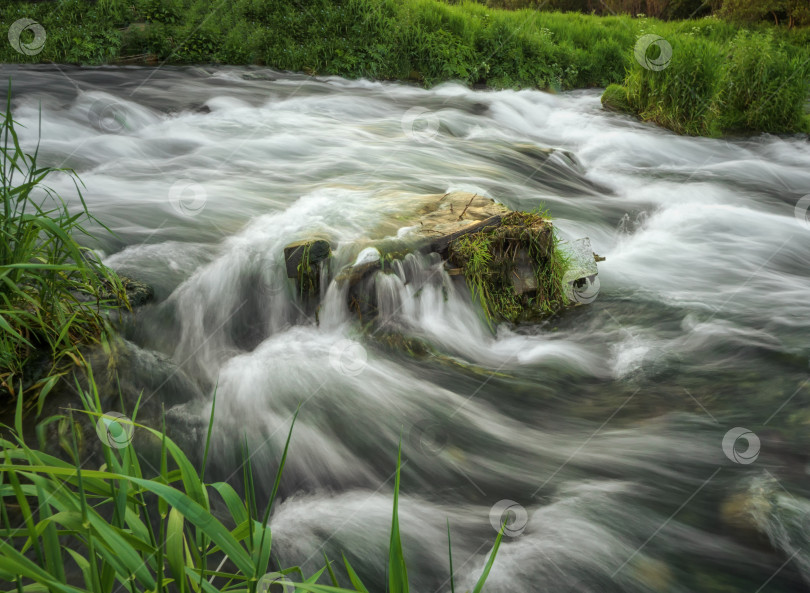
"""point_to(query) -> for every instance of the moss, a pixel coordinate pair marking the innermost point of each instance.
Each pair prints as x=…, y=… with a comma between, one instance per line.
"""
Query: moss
x=615, y=99
x=490, y=260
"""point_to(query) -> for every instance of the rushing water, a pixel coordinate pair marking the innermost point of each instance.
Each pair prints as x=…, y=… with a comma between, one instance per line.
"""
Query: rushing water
x=602, y=429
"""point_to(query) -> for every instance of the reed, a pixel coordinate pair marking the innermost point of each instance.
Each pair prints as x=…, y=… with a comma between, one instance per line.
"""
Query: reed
x=54, y=294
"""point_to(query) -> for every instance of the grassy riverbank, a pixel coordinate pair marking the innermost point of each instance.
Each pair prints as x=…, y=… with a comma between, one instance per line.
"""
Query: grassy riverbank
x=761, y=87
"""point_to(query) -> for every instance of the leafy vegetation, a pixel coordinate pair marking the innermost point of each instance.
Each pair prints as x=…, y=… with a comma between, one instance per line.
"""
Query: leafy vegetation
x=53, y=292
x=788, y=12
x=491, y=259
x=71, y=529
x=752, y=83
x=429, y=41
x=615, y=98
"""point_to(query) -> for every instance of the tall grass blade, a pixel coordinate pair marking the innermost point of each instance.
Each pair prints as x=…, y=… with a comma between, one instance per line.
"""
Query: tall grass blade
x=397, y=571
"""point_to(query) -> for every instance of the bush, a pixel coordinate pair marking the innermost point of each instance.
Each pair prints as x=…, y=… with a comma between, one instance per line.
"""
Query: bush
x=753, y=83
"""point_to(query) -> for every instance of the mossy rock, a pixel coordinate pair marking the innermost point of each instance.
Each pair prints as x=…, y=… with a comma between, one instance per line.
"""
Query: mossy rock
x=138, y=293
x=514, y=270
x=615, y=99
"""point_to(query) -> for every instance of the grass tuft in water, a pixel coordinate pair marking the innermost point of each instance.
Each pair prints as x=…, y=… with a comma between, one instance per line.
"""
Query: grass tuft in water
x=494, y=258
x=53, y=291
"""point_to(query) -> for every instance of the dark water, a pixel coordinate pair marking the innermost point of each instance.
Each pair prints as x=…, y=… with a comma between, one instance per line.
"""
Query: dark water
x=600, y=434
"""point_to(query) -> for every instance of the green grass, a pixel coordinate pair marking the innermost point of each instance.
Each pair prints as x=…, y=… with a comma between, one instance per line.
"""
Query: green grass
x=615, y=99
x=750, y=83
x=53, y=292
x=65, y=527
x=488, y=260
x=429, y=41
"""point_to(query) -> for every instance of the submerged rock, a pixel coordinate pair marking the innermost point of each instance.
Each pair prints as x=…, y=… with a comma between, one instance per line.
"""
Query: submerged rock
x=138, y=293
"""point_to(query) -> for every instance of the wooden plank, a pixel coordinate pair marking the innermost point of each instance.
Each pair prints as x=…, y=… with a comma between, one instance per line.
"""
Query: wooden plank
x=440, y=245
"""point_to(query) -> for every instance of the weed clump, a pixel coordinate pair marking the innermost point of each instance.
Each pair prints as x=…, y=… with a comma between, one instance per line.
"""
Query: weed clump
x=514, y=270
x=54, y=292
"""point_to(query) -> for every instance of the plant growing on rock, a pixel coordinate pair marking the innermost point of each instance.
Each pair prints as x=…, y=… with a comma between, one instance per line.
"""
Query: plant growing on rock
x=496, y=260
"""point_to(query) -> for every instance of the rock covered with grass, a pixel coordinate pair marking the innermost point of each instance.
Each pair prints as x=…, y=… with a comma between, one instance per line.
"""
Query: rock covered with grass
x=511, y=261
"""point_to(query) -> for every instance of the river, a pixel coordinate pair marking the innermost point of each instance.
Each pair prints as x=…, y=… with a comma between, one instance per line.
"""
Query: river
x=654, y=440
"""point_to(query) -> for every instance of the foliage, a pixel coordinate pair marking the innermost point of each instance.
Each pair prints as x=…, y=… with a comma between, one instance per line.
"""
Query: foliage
x=489, y=259
x=430, y=41
x=53, y=292
x=752, y=83
x=681, y=96
x=792, y=12
x=71, y=529
x=763, y=86
x=615, y=98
